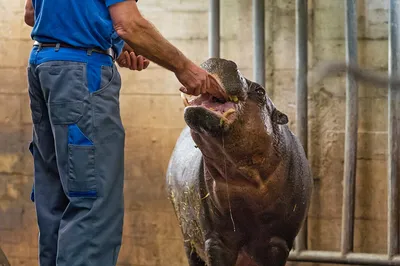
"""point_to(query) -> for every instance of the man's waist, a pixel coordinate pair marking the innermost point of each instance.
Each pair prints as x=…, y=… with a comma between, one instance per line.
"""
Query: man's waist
x=59, y=45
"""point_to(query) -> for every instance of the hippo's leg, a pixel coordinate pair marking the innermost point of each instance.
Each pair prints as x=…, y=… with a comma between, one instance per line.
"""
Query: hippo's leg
x=275, y=254
x=219, y=253
x=193, y=257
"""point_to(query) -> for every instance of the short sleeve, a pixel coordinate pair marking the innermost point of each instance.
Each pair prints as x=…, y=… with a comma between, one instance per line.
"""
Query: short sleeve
x=111, y=2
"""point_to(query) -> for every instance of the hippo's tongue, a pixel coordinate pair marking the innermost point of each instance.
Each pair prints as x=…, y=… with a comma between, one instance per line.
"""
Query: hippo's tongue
x=210, y=102
x=218, y=107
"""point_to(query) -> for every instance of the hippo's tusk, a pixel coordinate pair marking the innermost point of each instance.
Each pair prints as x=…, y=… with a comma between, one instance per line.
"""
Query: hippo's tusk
x=229, y=112
x=185, y=101
x=224, y=116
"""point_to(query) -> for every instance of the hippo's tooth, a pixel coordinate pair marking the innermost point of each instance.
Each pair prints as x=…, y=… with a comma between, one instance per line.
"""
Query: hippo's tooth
x=185, y=101
x=224, y=118
x=190, y=98
x=229, y=112
x=233, y=99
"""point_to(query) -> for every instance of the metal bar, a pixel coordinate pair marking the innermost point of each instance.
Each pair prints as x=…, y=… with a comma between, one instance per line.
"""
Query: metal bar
x=301, y=94
x=350, y=150
x=259, y=41
x=3, y=259
x=393, y=131
x=214, y=29
x=338, y=257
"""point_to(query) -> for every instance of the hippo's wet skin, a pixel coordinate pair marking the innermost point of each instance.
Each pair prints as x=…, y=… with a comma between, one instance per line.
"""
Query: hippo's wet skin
x=238, y=178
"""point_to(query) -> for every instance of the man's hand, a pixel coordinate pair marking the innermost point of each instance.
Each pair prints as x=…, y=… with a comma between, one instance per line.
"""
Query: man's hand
x=129, y=60
x=197, y=81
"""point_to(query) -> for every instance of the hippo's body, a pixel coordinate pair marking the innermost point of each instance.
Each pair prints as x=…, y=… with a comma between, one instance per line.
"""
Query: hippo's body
x=239, y=180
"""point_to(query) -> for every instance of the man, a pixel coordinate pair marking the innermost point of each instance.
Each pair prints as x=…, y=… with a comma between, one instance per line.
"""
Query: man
x=78, y=136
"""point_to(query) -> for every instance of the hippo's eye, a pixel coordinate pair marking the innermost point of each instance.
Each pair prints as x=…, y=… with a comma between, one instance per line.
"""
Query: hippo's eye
x=260, y=92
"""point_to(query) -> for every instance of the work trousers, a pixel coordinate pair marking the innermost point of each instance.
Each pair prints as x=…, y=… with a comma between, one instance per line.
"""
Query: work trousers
x=78, y=153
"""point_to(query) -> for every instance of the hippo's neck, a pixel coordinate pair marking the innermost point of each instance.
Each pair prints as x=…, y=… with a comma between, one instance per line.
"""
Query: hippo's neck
x=227, y=171
x=248, y=169
x=233, y=185
x=239, y=158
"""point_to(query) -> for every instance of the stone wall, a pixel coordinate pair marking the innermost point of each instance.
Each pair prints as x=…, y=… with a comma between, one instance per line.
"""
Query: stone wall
x=152, y=115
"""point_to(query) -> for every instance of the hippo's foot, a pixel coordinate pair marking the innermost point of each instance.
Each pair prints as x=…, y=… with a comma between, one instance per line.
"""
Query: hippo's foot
x=219, y=253
x=192, y=256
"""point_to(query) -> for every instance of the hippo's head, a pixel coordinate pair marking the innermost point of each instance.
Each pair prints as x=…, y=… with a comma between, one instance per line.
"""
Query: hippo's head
x=248, y=109
x=246, y=129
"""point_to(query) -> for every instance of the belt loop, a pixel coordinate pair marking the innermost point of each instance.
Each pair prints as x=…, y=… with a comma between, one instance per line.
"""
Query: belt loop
x=39, y=47
x=113, y=54
x=57, y=47
x=89, y=52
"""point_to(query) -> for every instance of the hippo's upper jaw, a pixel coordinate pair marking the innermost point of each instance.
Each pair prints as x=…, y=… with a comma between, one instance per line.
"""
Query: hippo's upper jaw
x=206, y=113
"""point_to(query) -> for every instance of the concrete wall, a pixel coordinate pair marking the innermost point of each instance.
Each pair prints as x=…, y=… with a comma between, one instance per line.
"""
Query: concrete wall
x=152, y=114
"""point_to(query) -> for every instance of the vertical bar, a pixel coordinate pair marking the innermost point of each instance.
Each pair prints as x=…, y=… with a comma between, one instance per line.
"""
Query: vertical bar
x=3, y=259
x=259, y=41
x=350, y=150
x=214, y=29
x=393, y=131
x=302, y=94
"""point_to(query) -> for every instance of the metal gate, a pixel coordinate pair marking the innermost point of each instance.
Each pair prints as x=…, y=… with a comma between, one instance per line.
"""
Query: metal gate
x=346, y=255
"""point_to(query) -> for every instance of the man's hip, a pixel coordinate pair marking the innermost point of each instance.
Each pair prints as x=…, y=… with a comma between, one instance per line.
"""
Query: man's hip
x=110, y=52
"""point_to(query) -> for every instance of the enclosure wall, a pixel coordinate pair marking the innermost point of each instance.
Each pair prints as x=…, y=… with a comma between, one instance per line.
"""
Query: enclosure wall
x=152, y=114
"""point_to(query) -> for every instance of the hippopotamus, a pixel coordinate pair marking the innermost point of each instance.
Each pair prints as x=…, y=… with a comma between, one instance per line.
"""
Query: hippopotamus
x=238, y=179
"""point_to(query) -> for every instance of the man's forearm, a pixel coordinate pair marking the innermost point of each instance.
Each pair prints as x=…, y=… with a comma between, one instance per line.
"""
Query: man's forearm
x=147, y=41
x=29, y=20
x=144, y=38
x=29, y=16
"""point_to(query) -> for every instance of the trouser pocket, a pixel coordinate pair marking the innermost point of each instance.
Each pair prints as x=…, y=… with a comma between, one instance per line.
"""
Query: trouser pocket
x=72, y=130
x=81, y=171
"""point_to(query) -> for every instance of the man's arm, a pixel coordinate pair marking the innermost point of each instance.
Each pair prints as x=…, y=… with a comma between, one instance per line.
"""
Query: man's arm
x=29, y=15
x=144, y=38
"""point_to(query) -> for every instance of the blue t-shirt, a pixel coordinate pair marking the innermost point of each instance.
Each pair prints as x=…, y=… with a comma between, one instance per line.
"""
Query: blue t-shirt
x=80, y=23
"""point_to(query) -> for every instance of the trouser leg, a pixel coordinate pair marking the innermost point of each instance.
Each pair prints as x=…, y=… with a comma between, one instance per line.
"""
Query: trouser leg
x=50, y=200
x=89, y=140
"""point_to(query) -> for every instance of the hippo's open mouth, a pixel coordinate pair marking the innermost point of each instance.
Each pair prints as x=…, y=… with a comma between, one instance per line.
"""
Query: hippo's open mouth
x=225, y=110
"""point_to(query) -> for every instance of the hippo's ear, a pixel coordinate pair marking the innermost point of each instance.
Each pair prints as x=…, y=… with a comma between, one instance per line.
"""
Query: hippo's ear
x=279, y=117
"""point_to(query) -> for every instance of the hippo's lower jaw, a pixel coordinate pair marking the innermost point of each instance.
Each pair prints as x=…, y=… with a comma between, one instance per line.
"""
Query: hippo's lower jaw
x=209, y=114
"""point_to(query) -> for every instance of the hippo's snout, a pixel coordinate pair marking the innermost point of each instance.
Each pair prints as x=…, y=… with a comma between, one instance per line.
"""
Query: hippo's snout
x=203, y=121
x=227, y=72
x=207, y=113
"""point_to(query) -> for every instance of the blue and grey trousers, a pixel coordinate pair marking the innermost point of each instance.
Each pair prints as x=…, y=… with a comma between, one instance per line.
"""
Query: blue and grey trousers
x=78, y=153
